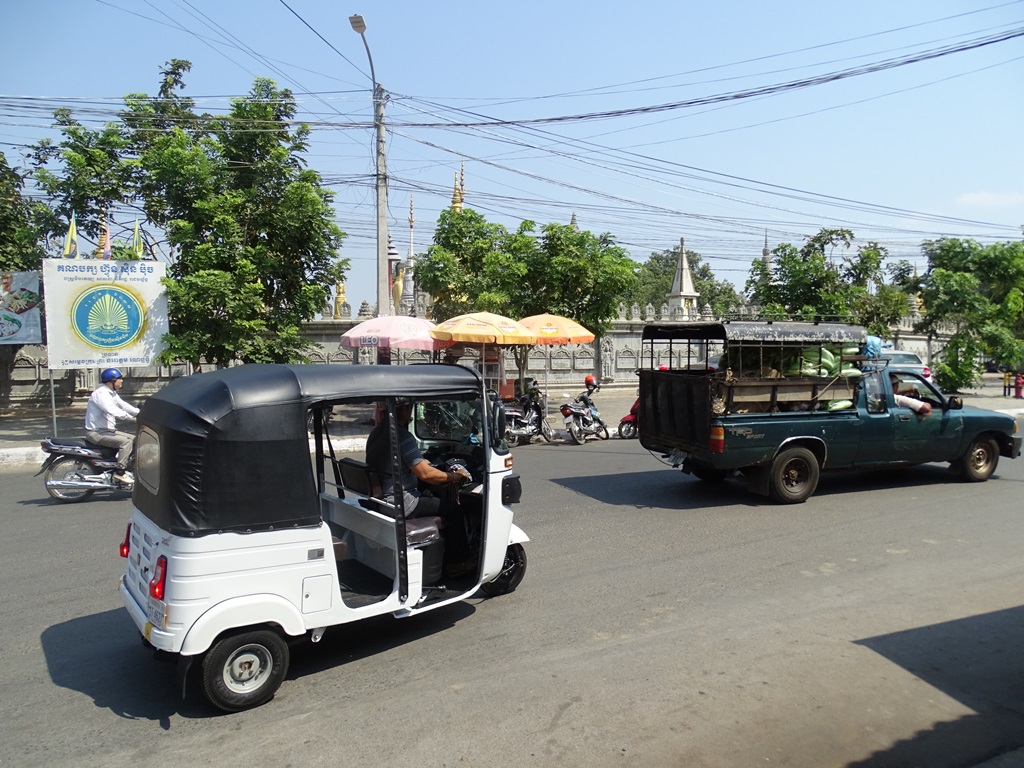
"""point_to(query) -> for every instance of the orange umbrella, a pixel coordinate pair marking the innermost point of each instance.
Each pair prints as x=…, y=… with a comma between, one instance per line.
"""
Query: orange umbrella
x=483, y=328
x=555, y=329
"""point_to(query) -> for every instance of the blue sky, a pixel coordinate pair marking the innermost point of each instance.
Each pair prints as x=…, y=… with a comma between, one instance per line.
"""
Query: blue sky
x=907, y=153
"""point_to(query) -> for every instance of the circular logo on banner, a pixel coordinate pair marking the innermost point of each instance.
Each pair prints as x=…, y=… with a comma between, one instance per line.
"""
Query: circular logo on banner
x=108, y=316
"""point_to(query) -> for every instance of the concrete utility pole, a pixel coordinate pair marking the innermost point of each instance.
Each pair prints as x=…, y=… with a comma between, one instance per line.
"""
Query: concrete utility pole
x=383, y=284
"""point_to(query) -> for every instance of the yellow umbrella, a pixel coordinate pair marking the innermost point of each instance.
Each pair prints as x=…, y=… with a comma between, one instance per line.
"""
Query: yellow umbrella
x=483, y=328
x=555, y=329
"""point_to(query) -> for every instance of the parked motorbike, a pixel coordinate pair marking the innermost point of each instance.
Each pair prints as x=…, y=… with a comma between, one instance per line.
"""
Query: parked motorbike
x=525, y=418
x=582, y=418
x=76, y=469
x=629, y=426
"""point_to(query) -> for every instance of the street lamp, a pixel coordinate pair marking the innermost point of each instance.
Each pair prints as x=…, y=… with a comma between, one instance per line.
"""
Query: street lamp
x=383, y=291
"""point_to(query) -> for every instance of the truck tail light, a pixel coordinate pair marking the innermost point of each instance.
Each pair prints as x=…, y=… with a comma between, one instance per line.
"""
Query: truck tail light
x=716, y=443
x=156, y=584
x=126, y=545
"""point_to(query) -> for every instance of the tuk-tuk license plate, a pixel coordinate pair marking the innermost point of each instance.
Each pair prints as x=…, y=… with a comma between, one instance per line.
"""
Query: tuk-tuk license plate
x=157, y=613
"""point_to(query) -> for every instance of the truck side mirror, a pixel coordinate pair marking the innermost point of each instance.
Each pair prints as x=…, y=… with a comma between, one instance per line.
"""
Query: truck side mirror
x=954, y=403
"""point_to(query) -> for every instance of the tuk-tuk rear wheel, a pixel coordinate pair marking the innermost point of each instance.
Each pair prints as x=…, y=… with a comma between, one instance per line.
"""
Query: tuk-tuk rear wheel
x=512, y=572
x=245, y=670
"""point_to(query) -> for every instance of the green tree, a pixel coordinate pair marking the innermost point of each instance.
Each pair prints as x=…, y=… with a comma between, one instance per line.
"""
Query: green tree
x=254, y=250
x=977, y=293
x=824, y=279
x=21, y=249
x=84, y=173
x=475, y=265
x=21, y=237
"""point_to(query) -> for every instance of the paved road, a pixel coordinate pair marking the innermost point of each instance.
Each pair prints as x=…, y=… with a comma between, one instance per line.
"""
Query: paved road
x=662, y=622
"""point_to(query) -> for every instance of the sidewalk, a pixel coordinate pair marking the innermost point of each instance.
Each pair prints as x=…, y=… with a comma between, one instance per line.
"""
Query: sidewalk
x=22, y=428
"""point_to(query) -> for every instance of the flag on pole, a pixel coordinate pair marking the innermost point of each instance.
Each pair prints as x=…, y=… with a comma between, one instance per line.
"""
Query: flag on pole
x=71, y=241
x=106, y=238
x=137, y=245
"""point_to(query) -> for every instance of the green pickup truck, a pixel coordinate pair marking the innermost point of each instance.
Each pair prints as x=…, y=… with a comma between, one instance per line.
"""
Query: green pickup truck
x=784, y=401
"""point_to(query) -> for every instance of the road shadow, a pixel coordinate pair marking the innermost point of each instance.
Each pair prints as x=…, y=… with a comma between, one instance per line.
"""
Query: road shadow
x=102, y=656
x=672, y=489
x=975, y=660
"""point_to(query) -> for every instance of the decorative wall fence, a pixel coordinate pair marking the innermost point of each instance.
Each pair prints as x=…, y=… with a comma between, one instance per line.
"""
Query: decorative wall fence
x=613, y=358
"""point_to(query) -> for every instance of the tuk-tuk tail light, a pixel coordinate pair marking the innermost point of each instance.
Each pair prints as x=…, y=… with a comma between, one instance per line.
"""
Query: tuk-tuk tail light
x=157, y=583
x=126, y=545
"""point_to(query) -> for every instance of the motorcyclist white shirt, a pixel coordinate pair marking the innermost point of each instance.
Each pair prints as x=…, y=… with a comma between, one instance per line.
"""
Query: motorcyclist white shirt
x=105, y=407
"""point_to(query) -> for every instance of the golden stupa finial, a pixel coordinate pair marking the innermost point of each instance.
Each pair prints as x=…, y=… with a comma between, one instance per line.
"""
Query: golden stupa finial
x=462, y=182
x=456, y=197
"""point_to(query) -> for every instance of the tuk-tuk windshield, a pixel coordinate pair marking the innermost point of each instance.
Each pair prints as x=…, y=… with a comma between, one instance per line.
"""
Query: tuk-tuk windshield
x=456, y=419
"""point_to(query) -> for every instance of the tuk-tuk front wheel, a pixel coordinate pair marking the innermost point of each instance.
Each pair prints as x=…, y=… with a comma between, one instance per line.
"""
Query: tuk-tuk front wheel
x=512, y=572
x=245, y=670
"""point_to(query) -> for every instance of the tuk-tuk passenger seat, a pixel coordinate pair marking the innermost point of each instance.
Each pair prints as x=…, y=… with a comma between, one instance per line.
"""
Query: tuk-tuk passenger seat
x=361, y=478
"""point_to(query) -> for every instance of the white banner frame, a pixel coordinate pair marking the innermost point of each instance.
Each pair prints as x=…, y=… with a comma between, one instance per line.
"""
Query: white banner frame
x=104, y=313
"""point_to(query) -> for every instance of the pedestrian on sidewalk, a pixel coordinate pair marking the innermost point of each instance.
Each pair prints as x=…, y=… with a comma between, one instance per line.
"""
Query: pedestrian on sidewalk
x=105, y=407
x=1007, y=382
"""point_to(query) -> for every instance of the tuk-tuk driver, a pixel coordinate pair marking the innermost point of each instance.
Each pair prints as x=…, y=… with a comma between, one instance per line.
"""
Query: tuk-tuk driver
x=414, y=469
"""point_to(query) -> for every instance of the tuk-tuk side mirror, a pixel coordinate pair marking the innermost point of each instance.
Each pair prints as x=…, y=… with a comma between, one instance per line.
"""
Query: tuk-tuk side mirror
x=500, y=421
x=955, y=403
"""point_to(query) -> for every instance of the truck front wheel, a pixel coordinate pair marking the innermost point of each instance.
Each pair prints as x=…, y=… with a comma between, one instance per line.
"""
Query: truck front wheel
x=793, y=476
x=245, y=670
x=980, y=461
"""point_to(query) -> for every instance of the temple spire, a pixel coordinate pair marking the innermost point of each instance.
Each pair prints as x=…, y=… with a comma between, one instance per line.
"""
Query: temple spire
x=683, y=297
x=456, y=197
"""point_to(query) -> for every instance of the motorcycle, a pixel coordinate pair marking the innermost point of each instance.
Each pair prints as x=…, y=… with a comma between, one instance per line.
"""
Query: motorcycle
x=582, y=418
x=629, y=426
x=525, y=418
x=76, y=469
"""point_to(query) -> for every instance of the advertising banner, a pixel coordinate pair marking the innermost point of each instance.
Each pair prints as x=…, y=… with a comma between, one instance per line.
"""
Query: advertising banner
x=102, y=313
x=20, y=309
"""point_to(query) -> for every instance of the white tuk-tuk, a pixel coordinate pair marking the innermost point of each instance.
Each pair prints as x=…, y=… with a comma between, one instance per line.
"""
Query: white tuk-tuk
x=240, y=544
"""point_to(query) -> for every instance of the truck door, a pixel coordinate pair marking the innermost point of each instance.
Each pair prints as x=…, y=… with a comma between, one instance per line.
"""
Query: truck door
x=876, y=432
x=932, y=438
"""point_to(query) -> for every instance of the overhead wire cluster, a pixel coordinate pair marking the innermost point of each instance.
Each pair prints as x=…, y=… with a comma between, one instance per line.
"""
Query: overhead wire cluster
x=668, y=198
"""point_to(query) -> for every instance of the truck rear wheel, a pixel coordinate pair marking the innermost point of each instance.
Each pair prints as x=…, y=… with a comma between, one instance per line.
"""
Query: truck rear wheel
x=245, y=670
x=978, y=464
x=793, y=476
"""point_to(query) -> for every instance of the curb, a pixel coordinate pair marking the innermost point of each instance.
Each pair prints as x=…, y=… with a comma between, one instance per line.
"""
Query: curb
x=12, y=458
x=17, y=457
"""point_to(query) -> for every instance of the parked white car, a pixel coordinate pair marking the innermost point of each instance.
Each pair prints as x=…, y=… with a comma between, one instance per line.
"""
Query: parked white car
x=906, y=361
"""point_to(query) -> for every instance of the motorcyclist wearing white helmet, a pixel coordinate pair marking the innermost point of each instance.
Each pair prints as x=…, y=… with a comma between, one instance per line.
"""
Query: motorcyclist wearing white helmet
x=105, y=407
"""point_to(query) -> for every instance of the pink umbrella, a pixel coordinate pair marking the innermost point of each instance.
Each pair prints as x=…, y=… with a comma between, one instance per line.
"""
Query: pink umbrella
x=394, y=332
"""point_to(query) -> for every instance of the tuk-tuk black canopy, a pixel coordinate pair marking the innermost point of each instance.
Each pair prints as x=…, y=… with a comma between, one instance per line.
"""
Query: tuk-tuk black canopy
x=233, y=447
